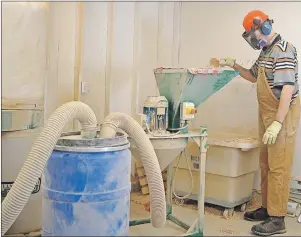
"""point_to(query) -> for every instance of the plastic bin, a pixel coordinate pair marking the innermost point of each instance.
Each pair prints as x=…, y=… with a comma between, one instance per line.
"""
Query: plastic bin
x=230, y=168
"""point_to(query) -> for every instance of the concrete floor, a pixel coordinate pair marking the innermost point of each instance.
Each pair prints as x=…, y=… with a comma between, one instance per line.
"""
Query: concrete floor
x=214, y=225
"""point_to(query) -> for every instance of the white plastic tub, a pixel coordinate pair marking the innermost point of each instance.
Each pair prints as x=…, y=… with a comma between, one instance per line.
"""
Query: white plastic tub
x=232, y=157
x=15, y=148
x=230, y=168
x=220, y=190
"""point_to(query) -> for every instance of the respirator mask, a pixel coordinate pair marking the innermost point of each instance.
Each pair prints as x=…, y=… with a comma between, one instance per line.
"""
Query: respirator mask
x=253, y=36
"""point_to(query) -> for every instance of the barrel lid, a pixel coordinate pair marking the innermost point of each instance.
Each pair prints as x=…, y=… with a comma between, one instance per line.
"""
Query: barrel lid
x=74, y=142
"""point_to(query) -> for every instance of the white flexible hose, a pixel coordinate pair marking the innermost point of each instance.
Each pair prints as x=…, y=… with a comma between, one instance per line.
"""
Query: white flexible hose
x=41, y=150
x=174, y=178
x=148, y=158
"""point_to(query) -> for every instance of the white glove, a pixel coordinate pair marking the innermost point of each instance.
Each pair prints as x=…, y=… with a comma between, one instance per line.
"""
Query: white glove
x=194, y=70
x=230, y=62
x=271, y=133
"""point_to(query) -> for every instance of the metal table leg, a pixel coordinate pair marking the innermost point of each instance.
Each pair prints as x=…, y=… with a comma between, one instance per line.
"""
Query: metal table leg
x=198, y=226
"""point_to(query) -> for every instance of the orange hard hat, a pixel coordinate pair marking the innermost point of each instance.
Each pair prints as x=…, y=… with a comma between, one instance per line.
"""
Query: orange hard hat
x=251, y=17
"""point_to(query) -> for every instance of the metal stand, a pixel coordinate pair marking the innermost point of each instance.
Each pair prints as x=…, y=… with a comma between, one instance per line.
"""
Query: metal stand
x=196, y=229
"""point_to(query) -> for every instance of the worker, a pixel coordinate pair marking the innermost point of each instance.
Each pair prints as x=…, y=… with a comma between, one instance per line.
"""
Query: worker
x=276, y=74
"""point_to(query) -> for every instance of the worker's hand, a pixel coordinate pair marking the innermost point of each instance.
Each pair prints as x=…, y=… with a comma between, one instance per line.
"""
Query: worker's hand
x=271, y=133
x=230, y=62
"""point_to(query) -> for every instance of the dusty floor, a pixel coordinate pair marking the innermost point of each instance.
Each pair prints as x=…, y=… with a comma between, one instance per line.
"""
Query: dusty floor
x=215, y=223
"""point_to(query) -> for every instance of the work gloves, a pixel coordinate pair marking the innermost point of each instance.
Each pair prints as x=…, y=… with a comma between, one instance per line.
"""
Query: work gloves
x=227, y=62
x=271, y=133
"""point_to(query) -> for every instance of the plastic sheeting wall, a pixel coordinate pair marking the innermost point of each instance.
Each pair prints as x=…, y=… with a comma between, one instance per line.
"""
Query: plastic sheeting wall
x=24, y=46
x=62, y=64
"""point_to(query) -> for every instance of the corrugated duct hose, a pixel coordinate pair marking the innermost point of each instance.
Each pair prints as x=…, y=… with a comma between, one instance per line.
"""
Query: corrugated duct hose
x=33, y=167
x=148, y=158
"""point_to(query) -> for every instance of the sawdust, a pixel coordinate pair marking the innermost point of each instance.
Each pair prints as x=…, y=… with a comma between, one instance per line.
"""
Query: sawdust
x=210, y=210
x=31, y=234
x=214, y=62
x=251, y=140
x=14, y=235
x=36, y=233
x=218, y=212
x=138, y=198
x=228, y=231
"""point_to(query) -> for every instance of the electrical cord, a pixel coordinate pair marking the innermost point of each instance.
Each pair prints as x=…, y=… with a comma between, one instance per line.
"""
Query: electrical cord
x=174, y=178
x=163, y=135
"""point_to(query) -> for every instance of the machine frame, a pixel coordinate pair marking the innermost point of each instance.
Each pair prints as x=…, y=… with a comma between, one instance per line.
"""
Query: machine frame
x=197, y=228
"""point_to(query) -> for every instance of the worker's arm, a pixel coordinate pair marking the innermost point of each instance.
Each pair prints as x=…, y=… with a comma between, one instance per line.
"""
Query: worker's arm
x=284, y=103
x=284, y=81
x=247, y=74
x=284, y=77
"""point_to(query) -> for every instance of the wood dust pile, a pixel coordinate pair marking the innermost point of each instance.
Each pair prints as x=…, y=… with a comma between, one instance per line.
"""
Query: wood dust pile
x=138, y=198
x=251, y=140
x=228, y=232
x=210, y=210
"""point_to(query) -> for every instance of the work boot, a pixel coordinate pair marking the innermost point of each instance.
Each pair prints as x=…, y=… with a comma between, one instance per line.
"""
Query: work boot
x=273, y=225
x=260, y=214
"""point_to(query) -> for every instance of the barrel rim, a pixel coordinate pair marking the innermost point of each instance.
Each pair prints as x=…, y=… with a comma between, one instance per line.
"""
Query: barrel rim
x=91, y=149
x=73, y=139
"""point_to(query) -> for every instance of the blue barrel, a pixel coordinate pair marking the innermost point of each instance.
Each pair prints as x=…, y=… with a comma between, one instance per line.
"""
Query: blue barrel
x=86, y=188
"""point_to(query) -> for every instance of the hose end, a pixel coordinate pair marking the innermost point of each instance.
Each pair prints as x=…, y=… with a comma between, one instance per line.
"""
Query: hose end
x=89, y=132
x=108, y=129
x=160, y=221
